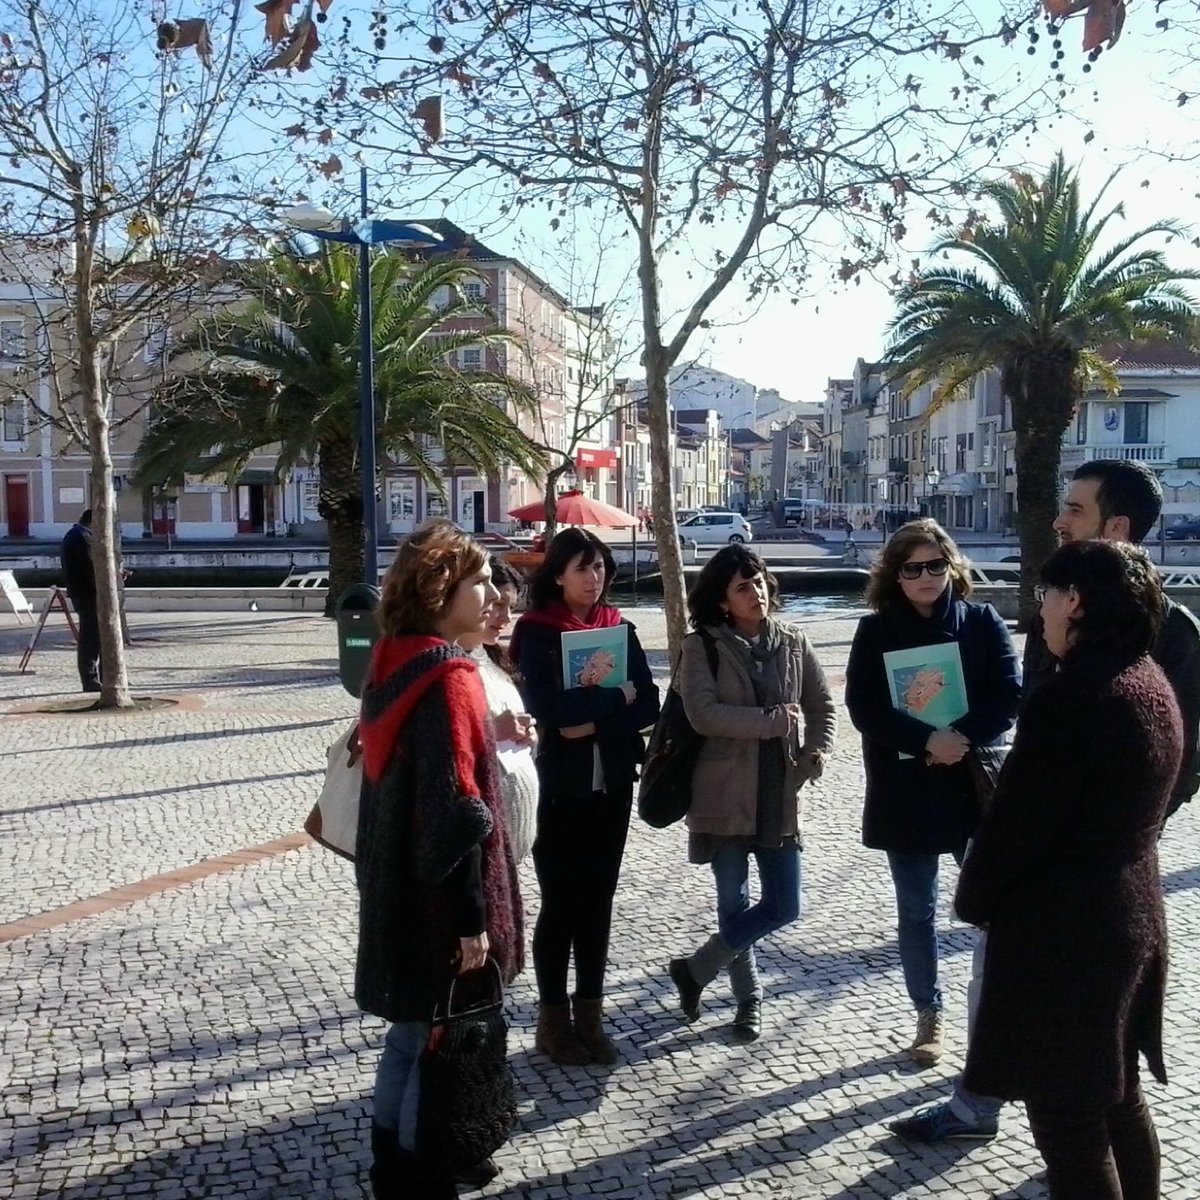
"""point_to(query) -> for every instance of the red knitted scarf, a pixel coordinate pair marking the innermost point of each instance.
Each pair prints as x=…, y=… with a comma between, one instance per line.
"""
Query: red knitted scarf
x=559, y=616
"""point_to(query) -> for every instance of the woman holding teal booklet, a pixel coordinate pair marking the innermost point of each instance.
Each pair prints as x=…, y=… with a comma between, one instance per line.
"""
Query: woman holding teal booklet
x=930, y=677
x=585, y=680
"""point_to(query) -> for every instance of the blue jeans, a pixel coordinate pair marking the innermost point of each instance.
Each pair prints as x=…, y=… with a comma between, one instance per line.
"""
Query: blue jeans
x=915, y=877
x=965, y=1104
x=742, y=924
x=397, y=1080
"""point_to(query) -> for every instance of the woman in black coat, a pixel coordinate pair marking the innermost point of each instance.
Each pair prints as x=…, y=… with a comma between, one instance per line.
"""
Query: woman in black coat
x=1064, y=875
x=919, y=716
x=589, y=748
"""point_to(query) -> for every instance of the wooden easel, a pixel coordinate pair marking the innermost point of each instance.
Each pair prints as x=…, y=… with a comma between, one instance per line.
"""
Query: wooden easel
x=55, y=598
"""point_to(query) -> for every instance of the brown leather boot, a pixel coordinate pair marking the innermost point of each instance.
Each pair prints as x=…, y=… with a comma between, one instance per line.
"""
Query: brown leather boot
x=589, y=1029
x=556, y=1037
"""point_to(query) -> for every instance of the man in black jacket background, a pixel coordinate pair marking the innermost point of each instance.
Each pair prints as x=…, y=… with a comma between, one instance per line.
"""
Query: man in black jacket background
x=81, y=587
x=1118, y=500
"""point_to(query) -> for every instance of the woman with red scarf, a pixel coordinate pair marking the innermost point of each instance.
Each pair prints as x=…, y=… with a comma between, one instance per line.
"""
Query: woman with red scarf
x=437, y=884
x=590, y=745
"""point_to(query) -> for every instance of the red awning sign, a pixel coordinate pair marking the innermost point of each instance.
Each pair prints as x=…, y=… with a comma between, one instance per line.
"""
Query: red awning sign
x=595, y=458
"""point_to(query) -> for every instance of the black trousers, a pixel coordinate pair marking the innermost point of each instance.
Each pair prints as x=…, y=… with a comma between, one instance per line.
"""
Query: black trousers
x=87, y=651
x=577, y=854
x=1099, y=1153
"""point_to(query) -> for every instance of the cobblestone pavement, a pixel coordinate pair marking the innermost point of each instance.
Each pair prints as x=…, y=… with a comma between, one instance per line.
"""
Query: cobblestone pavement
x=201, y=1042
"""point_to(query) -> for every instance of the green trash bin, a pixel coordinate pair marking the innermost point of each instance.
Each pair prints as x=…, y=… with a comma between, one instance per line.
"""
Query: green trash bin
x=357, y=632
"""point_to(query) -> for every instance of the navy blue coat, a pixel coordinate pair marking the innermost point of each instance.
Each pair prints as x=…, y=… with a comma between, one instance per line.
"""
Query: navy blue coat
x=565, y=764
x=911, y=807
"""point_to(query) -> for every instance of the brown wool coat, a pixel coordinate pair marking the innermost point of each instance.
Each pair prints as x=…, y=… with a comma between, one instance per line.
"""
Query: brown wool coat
x=725, y=711
x=1064, y=874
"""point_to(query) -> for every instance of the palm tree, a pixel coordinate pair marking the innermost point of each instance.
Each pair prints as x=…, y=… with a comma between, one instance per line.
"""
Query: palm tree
x=1036, y=302
x=280, y=373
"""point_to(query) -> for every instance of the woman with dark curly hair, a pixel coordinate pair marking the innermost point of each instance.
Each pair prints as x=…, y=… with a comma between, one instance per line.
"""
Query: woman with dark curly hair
x=754, y=688
x=1064, y=875
x=436, y=880
x=590, y=744
x=930, y=676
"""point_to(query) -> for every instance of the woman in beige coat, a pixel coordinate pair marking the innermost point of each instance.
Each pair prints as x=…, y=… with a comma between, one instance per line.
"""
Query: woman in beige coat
x=754, y=689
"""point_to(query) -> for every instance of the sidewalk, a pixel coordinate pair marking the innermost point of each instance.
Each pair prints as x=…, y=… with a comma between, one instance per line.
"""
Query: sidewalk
x=200, y=1041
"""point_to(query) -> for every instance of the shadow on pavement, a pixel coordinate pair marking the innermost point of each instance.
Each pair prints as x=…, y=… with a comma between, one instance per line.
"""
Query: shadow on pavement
x=162, y=791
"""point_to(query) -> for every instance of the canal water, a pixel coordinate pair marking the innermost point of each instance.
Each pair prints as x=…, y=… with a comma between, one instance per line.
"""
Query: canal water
x=794, y=605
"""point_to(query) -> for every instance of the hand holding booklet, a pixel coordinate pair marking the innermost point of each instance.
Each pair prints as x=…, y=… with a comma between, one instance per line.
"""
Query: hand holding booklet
x=595, y=657
x=927, y=683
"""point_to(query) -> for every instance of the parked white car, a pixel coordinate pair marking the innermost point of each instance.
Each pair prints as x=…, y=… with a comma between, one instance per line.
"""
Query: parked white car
x=715, y=528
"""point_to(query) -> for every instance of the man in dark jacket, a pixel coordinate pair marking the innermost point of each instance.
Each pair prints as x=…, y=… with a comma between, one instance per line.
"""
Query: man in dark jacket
x=80, y=577
x=1117, y=500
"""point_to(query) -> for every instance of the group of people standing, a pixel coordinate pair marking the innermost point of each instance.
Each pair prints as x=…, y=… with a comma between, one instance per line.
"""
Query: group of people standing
x=1062, y=869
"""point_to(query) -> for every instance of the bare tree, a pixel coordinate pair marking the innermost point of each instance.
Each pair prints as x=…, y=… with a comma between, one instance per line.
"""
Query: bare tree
x=578, y=398
x=746, y=138
x=119, y=198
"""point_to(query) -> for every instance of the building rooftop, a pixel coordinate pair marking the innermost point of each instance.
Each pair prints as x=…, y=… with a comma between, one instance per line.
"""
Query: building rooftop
x=1155, y=355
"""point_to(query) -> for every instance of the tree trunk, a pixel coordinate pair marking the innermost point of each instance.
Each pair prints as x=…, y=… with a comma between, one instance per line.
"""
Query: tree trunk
x=662, y=493
x=550, y=496
x=340, y=504
x=114, y=681
x=1042, y=408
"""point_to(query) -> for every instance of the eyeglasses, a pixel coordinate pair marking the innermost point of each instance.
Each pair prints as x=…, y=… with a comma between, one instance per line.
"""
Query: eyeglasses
x=935, y=566
x=1039, y=593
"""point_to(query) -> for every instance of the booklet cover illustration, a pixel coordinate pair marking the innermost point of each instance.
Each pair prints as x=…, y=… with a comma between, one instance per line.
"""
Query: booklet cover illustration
x=595, y=657
x=927, y=682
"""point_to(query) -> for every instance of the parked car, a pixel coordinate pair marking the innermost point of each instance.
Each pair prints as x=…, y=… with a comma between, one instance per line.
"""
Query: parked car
x=716, y=528
x=1183, y=531
x=684, y=514
x=793, y=512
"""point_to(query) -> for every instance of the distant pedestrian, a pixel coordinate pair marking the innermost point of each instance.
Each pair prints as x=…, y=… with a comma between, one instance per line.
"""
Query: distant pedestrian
x=436, y=880
x=589, y=748
x=80, y=576
x=753, y=687
x=921, y=800
x=1064, y=874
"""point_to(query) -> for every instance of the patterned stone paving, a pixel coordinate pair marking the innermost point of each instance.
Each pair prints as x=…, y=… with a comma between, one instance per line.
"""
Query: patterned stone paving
x=199, y=1041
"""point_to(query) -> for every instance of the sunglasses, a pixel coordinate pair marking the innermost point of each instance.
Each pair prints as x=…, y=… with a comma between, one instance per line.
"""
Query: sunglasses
x=936, y=567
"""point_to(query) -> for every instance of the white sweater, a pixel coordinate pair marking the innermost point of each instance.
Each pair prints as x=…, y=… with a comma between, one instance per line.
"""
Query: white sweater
x=518, y=772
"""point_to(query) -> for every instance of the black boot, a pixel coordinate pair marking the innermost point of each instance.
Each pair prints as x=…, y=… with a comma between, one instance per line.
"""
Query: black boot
x=431, y=1181
x=747, y=1025
x=391, y=1170
x=689, y=990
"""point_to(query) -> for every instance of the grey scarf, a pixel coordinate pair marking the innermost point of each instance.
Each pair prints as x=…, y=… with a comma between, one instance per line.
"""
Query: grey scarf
x=761, y=660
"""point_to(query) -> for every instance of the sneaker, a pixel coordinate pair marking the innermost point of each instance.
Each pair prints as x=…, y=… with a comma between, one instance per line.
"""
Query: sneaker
x=940, y=1123
x=926, y=1050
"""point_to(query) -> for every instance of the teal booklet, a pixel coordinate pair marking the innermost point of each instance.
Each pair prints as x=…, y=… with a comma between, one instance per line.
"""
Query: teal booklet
x=927, y=683
x=595, y=657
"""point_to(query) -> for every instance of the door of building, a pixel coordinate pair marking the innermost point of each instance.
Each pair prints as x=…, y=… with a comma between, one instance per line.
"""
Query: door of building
x=16, y=504
x=478, y=513
x=251, y=508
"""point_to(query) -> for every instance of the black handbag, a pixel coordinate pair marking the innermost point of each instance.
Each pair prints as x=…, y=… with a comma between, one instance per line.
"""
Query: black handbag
x=665, y=790
x=467, y=1102
x=985, y=764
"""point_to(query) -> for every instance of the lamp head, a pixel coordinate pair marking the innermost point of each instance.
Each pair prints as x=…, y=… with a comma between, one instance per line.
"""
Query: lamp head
x=312, y=217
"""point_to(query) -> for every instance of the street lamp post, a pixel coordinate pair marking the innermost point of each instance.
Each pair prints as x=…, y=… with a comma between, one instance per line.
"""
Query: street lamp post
x=364, y=233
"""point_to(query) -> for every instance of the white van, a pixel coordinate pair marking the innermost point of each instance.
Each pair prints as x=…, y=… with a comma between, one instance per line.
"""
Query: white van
x=715, y=528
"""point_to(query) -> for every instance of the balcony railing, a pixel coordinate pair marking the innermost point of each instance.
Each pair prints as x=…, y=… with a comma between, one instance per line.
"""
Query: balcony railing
x=1153, y=453
x=853, y=458
x=898, y=466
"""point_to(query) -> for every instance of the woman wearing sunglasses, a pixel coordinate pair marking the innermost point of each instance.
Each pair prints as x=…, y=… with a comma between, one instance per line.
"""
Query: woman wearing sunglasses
x=930, y=676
